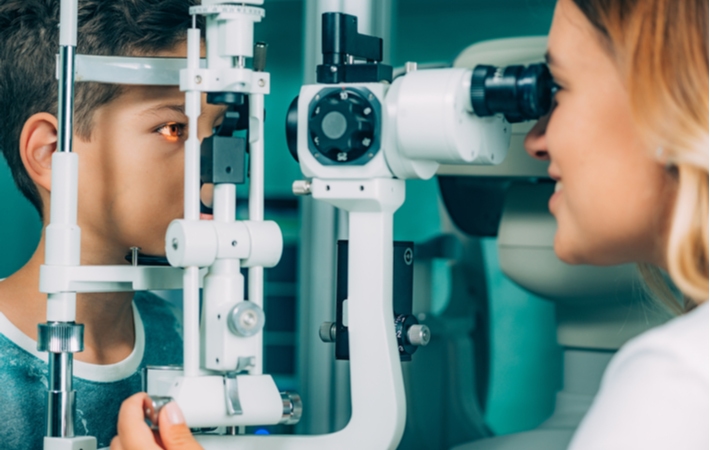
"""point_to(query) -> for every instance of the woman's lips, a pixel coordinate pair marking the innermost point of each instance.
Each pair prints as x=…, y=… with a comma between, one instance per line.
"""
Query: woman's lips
x=206, y=216
x=555, y=197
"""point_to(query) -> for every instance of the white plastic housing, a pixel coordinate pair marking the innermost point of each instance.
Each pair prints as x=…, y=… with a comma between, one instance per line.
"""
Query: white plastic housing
x=191, y=243
x=57, y=279
x=223, y=289
x=68, y=22
x=200, y=243
x=310, y=166
x=434, y=120
x=426, y=120
x=63, y=235
x=236, y=34
x=266, y=244
x=203, y=403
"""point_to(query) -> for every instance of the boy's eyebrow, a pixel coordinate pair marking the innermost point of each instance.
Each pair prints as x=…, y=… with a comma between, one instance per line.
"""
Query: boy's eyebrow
x=177, y=107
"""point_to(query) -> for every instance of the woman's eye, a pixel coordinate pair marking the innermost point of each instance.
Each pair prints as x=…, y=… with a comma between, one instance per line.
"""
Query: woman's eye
x=555, y=88
x=172, y=131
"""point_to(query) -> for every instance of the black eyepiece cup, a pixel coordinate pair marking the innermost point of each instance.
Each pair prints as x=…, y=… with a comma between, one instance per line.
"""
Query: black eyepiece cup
x=519, y=92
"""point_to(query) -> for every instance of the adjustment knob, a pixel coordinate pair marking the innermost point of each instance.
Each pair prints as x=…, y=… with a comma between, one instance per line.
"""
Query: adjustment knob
x=246, y=319
x=419, y=335
x=327, y=332
x=60, y=337
x=292, y=408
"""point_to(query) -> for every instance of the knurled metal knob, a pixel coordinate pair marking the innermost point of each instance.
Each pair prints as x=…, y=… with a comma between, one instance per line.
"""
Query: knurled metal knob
x=151, y=409
x=301, y=187
x=327, y=332
x=60, y=337
x=292, y=408
x=419, y=335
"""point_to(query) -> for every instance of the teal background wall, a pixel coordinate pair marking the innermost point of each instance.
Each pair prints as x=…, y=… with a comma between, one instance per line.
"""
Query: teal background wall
x=525, y=370
x=19, y=225
x=526, y=361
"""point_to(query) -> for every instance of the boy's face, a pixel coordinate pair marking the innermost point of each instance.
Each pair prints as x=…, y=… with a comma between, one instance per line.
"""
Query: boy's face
x=131, y=171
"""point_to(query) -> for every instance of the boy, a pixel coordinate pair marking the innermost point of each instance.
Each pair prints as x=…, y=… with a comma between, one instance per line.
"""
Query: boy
x=130, y=145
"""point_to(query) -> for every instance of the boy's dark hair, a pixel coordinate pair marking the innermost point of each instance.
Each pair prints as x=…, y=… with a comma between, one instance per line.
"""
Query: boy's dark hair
x=29, y=43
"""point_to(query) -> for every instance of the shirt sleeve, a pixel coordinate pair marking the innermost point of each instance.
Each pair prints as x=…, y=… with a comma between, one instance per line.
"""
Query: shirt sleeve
x=652, y=397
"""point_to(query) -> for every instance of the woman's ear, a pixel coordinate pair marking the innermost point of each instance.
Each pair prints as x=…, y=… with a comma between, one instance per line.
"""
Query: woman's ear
x=38, y=141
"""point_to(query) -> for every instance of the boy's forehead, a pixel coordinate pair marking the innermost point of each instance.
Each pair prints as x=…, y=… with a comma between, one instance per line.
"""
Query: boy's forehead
x=157, y=94
x=148, y=97
x=153, y=98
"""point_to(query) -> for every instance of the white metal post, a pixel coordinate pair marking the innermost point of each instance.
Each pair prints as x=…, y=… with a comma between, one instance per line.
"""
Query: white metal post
x=61, y=337
x=256, y=209
x=319, y=222
x=379, y=410
x=191, y=282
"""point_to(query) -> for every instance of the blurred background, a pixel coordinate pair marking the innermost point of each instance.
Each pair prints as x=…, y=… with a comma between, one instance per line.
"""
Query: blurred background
x=525, y=365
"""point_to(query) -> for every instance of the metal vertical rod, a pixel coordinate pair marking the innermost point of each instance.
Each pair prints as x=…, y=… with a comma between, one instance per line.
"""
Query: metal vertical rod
x=60, y=396
x=66, y=98
x=63, y=214
x=191, y=280
x=256, y=209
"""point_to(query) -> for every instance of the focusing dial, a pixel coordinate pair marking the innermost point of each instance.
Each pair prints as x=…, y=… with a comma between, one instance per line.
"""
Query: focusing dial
x=344, y=126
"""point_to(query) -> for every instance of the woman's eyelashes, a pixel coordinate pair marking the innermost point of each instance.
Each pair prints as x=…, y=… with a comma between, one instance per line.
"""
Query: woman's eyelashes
x=172, y=131
x=555, y=87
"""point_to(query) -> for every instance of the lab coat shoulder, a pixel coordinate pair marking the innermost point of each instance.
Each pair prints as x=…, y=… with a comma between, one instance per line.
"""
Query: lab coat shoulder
x=654, y=394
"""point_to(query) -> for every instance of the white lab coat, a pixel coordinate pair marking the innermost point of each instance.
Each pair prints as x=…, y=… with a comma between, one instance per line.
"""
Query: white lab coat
x=654, y=394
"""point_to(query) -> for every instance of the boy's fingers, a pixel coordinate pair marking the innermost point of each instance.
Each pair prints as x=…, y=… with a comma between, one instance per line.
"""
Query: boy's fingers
x=133, y=432
x=174, y=431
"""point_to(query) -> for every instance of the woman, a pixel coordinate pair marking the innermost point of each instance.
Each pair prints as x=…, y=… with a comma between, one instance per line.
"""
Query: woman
x=627, y=143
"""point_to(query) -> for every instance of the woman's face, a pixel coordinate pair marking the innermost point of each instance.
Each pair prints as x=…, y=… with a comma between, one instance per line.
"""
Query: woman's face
x=613, y=198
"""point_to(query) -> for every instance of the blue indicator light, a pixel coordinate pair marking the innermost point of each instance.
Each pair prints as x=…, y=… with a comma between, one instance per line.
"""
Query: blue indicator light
x=262, y=431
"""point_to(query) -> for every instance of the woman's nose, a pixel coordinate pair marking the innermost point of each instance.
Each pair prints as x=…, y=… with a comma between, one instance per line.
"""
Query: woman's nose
x=536, y=140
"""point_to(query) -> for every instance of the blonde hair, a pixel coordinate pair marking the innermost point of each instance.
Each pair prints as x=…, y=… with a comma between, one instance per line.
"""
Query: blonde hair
x=661, y=48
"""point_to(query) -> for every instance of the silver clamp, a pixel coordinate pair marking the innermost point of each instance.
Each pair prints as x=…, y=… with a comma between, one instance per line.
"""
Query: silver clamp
x=231, y=394
x=293, y=408
x=60, y=337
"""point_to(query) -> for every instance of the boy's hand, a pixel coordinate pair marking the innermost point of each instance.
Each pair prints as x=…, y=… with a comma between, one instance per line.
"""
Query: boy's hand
x=134, y=433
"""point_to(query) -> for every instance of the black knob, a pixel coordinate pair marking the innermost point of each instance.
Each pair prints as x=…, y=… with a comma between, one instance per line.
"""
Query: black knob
x=402, y=323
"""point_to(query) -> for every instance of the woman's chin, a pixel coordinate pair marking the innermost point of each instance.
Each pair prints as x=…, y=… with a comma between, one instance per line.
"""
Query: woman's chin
x=565, y=252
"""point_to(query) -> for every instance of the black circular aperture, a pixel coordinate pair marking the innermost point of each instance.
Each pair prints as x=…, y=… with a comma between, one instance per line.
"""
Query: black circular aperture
x=343, y=125
x=519, y=92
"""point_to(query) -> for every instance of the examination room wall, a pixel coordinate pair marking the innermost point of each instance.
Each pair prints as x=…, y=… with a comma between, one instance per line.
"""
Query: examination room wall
x=525, y=360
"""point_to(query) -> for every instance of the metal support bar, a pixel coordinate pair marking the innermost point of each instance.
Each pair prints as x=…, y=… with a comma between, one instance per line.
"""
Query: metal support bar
x=60, y=396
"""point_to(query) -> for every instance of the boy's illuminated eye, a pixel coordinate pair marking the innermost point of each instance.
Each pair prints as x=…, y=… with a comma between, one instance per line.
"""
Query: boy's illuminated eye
x=172, y=131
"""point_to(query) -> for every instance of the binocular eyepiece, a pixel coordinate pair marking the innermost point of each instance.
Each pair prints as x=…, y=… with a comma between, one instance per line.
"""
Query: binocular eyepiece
x=519, y=93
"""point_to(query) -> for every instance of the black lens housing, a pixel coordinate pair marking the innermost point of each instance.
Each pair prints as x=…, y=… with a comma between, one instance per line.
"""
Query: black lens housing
x=519, y=93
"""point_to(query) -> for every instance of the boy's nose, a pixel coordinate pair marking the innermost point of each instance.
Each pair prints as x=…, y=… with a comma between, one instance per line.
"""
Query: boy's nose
x=536, y=140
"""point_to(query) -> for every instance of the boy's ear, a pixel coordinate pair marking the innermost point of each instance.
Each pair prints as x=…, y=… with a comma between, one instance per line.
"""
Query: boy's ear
x=38, y=141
